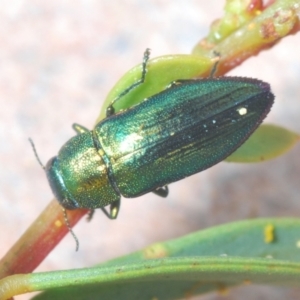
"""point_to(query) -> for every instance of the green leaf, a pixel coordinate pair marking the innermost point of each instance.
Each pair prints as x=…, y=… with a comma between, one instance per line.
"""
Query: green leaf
x=265, y=251
x=267, y=142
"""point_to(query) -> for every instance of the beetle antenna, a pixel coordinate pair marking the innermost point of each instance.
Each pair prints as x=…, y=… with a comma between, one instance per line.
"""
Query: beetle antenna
x=35, y=153
x=70, y=228
x=216, y=59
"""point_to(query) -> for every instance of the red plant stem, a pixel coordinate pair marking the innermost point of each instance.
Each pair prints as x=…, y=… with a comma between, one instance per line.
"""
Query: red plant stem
x=38, y=240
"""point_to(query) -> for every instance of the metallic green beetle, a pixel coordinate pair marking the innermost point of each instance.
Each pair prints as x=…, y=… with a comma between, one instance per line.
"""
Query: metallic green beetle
x=187, y=128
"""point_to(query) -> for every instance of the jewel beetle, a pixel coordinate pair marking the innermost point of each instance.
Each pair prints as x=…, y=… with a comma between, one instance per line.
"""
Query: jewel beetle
x=187, y=128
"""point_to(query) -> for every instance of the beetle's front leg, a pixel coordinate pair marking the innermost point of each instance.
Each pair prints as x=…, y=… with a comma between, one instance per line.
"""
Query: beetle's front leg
x=79, y=128
x=110, y=109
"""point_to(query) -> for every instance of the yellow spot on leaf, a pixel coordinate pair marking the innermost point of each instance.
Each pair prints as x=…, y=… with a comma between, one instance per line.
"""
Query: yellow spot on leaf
x=269, y=233
x=155, y=251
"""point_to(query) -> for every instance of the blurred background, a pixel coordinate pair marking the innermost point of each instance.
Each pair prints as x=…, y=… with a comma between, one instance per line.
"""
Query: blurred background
x=58, y=61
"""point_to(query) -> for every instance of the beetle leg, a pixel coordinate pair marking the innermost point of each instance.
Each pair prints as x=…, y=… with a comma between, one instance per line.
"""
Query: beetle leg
x=90, y=215
x=217, y=57
x=114, y=210
x=79, y=128
x=110, y=109
x=162, y=191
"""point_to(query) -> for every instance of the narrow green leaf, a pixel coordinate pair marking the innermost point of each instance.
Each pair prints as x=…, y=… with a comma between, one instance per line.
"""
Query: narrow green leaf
x=265, y=251
x=170, y=278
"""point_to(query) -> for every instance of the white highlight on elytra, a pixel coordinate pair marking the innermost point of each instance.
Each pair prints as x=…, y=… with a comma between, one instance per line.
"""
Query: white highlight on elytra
x=242, y=111
x=129, y=142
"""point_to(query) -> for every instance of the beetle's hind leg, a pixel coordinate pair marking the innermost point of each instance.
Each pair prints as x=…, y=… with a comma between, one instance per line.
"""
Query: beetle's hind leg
x=113, y=210
x=162, y=191
x=216, y=59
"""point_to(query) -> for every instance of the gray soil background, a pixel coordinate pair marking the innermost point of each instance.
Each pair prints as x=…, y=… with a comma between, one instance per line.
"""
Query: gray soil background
x=58, y=61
